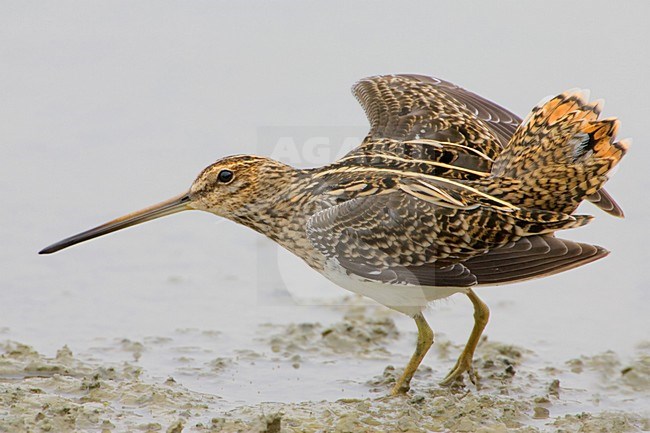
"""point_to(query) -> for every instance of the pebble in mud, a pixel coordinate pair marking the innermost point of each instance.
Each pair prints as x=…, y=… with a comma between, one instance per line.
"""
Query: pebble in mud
x=273, y=424
x=541, y=412
x=176, y=427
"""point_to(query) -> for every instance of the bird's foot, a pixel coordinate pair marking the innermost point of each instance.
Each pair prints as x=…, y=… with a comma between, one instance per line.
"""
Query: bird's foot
x=463, y=365
x=401, y=387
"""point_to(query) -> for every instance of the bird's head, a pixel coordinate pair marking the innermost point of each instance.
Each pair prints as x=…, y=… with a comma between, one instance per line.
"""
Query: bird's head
x=240, y=185
x=237, y=187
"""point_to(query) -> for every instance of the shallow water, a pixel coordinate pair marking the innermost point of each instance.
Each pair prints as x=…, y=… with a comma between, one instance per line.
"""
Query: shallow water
x=99, y=122
x=114, y=384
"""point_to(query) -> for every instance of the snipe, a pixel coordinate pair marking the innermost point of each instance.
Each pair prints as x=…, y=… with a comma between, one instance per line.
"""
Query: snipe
x=447, y=192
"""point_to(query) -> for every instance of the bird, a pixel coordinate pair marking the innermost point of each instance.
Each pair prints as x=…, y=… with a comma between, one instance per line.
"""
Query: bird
x=446, y=193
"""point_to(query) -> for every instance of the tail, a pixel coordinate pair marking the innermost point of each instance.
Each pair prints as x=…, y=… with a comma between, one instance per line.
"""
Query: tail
x=559, y=155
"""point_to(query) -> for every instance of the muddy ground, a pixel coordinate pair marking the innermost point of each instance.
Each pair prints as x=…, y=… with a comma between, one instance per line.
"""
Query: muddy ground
x=518, y=391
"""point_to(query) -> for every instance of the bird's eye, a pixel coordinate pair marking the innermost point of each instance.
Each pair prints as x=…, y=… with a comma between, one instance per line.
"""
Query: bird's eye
x=225, y=176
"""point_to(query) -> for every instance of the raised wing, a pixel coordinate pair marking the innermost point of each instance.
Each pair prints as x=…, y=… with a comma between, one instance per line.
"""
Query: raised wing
x=424, y=124
x=407, y=107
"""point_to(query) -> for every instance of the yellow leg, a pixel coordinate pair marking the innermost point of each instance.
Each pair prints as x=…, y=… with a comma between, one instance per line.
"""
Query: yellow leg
x=425, y=340
x=464, y=363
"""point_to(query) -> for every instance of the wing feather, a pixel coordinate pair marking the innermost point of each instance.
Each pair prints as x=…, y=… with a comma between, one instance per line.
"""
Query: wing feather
x=405, y=111
x=531, y=257
x=402, y=238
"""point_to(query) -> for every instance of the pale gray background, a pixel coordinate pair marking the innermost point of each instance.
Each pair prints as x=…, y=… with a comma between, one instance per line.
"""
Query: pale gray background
x=106, y=107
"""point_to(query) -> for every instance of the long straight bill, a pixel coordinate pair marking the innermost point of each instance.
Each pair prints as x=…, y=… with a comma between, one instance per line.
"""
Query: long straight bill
x=168, y=207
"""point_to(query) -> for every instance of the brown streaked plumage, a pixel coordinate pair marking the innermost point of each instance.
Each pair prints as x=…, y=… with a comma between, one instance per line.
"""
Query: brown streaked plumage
x=448, y=191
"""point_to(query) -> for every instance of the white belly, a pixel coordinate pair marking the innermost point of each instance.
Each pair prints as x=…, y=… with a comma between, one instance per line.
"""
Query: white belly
x=406, y=299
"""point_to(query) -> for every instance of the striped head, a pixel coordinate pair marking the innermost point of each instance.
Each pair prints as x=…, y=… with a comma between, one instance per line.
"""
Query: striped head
x=242, y=188
x=240, y=185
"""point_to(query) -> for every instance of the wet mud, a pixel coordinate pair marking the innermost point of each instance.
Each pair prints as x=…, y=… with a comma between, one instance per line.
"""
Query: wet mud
x=518, y=391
